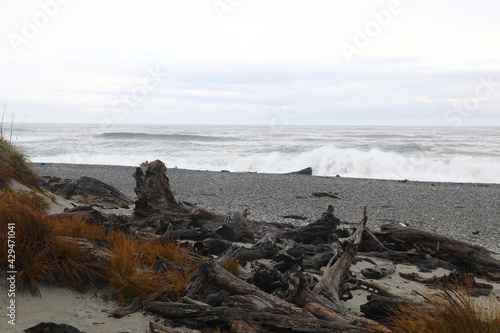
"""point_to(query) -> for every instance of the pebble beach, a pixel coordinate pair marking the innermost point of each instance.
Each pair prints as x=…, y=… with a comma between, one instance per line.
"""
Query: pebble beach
x=465, y=211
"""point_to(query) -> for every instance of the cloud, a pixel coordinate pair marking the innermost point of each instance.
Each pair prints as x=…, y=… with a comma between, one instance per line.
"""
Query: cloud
x=262, y=57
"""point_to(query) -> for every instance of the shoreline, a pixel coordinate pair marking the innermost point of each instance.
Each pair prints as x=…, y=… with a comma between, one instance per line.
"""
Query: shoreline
x=465, y=211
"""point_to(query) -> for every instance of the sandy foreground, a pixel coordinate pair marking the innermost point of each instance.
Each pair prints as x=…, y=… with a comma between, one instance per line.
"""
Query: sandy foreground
x=89, y=312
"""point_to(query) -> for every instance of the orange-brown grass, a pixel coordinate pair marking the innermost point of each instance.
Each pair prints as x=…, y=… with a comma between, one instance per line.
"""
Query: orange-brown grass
x=178, y=280
x=14, y=165
x=128, y=275
x=231, y=265
x=165, y=248
x=41, y=256
x=46, y=255
x=449, y=312
x=76, y=226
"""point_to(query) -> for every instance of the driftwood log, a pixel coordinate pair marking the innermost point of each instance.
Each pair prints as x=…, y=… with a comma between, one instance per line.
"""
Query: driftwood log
x=460, y=254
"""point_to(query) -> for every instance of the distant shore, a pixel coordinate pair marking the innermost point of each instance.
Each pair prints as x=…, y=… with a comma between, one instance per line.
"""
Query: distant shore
x=465, y=211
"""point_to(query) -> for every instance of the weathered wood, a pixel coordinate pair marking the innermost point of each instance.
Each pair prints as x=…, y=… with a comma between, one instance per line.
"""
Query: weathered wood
x=379, y=271
x=379, y=307
x=158, y=328
x=452, y=281
x=212, y=246
x=265, y=248
x=212, y=273
x=320, y=231
x=461, y=254
x=268, y=320
x=321, y=312
x=334, y=276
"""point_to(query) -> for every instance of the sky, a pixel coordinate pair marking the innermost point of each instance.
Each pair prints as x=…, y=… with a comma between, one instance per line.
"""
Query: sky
x=317, y=62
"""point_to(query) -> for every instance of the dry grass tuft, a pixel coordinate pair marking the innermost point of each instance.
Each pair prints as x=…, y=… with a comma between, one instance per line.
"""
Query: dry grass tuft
x=41, y=257
x=231, y=265
x=165, y=248
x=14, y=165
x=449, y=311
x=76, y=226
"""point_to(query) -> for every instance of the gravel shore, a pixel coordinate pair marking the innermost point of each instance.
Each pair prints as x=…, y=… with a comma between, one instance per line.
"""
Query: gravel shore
x=465, y=211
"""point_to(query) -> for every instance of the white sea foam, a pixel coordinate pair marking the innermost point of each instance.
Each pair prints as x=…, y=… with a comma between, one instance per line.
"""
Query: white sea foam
x=464, y=155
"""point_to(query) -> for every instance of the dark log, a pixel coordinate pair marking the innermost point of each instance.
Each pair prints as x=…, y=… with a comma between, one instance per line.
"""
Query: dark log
x=326, y=194
x=242, y=229
x=248, y=302
x=453, y=281
x=211, y=273
x=332, y=280
x=153, y=190
x=167, y=265
x=87, y=190
x=267, y=278
x=379, y=271
x=461, y=254
x=212, y=246
x=354, y=284
x=158, y=328
x=324, y=313
x=265, y=248
x=216, y=299
x=380, y=307
x=306, y=171
x=320, y=231
x=269, y=320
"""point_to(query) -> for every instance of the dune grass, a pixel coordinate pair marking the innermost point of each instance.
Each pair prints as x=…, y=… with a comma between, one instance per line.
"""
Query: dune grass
x=40, y=256
x=449, y=311
x=14, y=164
x=46, y=253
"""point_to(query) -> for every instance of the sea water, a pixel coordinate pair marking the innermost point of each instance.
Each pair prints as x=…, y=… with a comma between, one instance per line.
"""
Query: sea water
x=456, y=154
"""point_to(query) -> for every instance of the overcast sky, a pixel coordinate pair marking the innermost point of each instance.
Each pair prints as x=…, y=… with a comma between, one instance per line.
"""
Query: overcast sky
x=391, y=62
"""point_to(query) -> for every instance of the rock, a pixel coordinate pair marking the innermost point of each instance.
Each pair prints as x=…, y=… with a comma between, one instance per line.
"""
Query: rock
x=307, y=171
x=52, y=328
x=87, y=190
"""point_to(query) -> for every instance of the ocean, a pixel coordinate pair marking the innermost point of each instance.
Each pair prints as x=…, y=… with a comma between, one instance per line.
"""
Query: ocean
x=449, y=154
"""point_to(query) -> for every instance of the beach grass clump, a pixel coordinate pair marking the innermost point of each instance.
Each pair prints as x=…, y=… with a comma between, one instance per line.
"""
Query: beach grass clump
x=129, y=277
x=76, y=226
x=231, y=265
x=449, y=311
x=41, y=257
x=14, y=164
x=166, y=248
x=133, y=272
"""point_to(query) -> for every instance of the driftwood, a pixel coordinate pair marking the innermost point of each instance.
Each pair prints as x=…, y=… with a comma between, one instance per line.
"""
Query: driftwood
x=267, y=321
x=265, y=248
x=379, y=271
x=335, y=275
x=320, y=231
x=453, y=280
x=211, y=273
x=461, y=254
x=379, y=307
x=158, y=328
